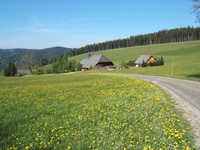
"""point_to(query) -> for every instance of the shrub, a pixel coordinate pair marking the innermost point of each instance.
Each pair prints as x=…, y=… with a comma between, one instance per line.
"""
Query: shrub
x=144, y=64
x=37, y=70
x=159, y=61
x=90, y=68
x=124, y=64
x=130, y=63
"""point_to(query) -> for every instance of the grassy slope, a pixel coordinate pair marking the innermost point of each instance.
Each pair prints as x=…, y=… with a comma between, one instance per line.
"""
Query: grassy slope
x=185, y=57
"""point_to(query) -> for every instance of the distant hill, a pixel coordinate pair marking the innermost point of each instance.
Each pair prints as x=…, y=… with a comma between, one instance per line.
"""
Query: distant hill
x=52, y=52
x=15, y=55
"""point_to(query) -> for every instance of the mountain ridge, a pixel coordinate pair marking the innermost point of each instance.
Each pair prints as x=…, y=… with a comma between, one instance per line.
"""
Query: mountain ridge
x=15, y=54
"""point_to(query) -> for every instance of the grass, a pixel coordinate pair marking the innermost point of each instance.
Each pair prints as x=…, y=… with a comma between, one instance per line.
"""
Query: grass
x=84, y=111
x=185, y=57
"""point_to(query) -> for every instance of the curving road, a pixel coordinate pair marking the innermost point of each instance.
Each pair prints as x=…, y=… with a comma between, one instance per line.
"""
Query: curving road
x=188, y=90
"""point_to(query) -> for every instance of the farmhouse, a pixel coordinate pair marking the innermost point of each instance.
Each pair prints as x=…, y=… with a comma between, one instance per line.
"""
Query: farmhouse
x=144, y=59
x=95, y=61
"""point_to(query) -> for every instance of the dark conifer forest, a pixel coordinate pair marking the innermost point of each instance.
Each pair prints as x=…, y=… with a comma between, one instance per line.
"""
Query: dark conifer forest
x=163, y=36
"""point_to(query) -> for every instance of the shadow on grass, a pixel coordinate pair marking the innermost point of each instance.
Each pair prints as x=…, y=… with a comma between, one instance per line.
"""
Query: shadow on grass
x=194, y=75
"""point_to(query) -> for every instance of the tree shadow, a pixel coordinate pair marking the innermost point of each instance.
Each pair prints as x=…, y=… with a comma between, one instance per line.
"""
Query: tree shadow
x=194, y=75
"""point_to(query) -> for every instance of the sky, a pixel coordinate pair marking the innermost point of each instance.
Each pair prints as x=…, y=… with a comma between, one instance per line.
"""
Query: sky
x=38, y=24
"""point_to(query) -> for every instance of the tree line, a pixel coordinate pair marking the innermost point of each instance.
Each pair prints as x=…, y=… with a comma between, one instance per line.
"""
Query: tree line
x=60, y=64
x=163, y=36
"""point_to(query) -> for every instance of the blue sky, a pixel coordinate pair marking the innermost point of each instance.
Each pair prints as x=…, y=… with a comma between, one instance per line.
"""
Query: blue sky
x=74, y=23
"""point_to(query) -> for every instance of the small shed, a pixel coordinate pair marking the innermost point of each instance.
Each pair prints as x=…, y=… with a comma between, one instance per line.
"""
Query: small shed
x=95, y=60
x=146, y=59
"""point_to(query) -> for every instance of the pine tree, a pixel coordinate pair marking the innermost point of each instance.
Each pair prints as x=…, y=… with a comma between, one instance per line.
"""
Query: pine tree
x=10, y=70
x=162, y=61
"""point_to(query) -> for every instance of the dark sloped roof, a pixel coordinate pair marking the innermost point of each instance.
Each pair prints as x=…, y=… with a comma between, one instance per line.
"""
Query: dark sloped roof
x=93, y=60
x=142, y=58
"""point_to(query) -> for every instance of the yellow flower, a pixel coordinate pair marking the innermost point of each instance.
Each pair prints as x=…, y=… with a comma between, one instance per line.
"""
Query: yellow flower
x=187, y=148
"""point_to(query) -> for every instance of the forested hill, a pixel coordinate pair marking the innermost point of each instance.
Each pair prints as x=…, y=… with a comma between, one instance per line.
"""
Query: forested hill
x=52, y=52
x=163, y=36
x=15, y=55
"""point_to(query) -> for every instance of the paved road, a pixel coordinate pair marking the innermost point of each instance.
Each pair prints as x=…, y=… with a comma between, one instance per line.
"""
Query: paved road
x=188, y=90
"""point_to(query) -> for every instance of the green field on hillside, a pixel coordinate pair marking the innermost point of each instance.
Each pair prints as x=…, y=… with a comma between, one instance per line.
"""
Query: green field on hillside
x=184, y=56
x=85, y=111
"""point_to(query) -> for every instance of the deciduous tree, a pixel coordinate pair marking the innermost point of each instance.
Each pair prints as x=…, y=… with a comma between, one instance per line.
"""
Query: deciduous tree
x=28, y=61
x=196, y=8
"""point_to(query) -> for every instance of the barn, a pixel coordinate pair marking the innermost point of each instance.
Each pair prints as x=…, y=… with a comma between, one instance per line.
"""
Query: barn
x=95, y=61
x=145, y=59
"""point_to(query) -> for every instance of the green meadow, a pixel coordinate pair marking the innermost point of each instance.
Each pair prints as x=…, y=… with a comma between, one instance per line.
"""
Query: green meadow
x=93, y=111
x=88, y=111
x=183, y=57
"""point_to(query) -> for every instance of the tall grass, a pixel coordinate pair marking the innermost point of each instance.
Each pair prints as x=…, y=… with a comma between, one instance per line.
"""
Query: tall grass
x=82, y=111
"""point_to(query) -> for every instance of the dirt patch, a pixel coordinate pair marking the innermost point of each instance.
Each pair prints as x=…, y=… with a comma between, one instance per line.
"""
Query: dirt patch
x=190, y=112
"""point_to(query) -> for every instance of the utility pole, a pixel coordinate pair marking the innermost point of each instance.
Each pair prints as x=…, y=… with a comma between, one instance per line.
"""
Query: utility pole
x=172, y=68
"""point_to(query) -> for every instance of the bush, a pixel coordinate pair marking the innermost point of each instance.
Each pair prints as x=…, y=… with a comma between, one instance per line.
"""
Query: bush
x=130, y=63
x=90, y=68
x=124, y=64
x=37, y=70
x=159, y=61
x=144, y=64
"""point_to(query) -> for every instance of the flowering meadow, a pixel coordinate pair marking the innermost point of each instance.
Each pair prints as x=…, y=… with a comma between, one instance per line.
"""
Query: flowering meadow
x=85, y=111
